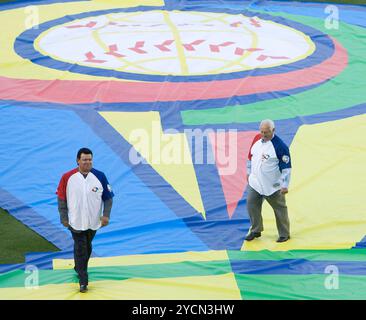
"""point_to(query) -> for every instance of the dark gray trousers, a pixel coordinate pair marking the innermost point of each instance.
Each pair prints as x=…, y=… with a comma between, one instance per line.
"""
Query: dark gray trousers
x=82, y=252
x=278, y=203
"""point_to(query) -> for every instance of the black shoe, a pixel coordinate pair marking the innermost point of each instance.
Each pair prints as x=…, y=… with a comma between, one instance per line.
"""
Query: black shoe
x=83, y=288
x=283, y=239
x=252, y=235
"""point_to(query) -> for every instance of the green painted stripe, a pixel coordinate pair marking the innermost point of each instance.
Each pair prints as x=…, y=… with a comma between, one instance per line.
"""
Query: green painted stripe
x=183, y=269
x=345, y=90
x=300, y=287
x=320, y=255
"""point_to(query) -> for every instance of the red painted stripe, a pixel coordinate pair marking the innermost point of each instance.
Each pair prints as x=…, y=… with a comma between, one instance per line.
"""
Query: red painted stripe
x=230, y=150
x=77, y=91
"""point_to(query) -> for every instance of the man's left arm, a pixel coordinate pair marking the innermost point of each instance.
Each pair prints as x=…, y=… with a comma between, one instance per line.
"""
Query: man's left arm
x=285, y=180
x=106, y=211
x=107, y=197
x=285, y=167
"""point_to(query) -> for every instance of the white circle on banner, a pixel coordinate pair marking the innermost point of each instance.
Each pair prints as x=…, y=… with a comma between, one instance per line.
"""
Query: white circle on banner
x=180, y=43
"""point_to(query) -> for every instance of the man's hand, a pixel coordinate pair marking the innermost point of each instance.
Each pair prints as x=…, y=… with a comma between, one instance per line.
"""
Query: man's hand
x=104, y=221
x=284, y=190
x=65, y=224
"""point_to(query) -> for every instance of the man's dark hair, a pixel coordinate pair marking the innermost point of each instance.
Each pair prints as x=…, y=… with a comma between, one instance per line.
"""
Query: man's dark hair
x=85, y=151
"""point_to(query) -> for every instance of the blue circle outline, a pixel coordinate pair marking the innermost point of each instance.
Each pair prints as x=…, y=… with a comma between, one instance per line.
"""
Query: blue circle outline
x=24, y=47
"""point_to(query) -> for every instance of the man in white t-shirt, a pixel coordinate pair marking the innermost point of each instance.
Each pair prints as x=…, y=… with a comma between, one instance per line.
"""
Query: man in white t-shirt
x=268, y=170
x=84, y=203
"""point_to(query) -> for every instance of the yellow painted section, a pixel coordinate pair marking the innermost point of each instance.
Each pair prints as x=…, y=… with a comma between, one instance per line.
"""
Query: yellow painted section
x=326, y=199
x=220, y=287
x=16, y=21
x=167, y=153
x=178, y=43
x=144, y=259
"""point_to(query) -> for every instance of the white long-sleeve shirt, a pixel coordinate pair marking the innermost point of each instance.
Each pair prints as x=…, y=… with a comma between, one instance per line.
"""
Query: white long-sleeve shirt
x=268, y=165
x=84, y=197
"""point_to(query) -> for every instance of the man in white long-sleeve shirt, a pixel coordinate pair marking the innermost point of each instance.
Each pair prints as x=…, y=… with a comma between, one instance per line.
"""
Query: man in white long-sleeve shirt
x=268, y=172
x=84, y=202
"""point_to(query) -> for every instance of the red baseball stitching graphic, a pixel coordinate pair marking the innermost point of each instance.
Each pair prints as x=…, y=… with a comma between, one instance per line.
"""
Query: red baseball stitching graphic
x=90, y=58
x=255, y=23
x=163, y=46
x=90, y=24
x=216, y=47
x=190, y=46
x=138, y=45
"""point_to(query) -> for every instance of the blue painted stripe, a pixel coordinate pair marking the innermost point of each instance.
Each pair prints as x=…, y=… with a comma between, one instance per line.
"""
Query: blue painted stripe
x=4, y=268
x=285, y=127
x=354, y=15
x=44, y=260
x=301, y=4
x=41, y=260
x=361, y=244
x=267, y=3
x=31, y=218
x=169, y=110
x=296, y=266
x=229, y=232
x=140, y=221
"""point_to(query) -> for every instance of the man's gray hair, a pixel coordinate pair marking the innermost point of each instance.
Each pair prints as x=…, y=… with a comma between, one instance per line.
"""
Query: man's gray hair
x=268, y=122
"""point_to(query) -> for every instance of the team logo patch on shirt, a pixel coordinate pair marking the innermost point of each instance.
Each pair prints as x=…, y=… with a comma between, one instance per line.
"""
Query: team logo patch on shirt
x=286, y=159
x=95, y=189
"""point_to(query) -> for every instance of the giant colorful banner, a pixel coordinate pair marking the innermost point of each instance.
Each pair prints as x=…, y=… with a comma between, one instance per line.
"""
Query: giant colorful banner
x=169, y=95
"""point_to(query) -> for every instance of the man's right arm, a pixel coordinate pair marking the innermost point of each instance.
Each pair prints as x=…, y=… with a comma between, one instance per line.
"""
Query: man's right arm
x=62, y=209
x=249, y=168
x=249, y=159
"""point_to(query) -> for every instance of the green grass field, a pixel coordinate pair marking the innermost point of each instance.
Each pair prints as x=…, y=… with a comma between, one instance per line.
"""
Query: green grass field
x=16, y=240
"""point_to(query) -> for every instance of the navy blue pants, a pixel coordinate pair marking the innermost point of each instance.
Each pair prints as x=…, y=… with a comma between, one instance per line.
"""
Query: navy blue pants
x=82, y=252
